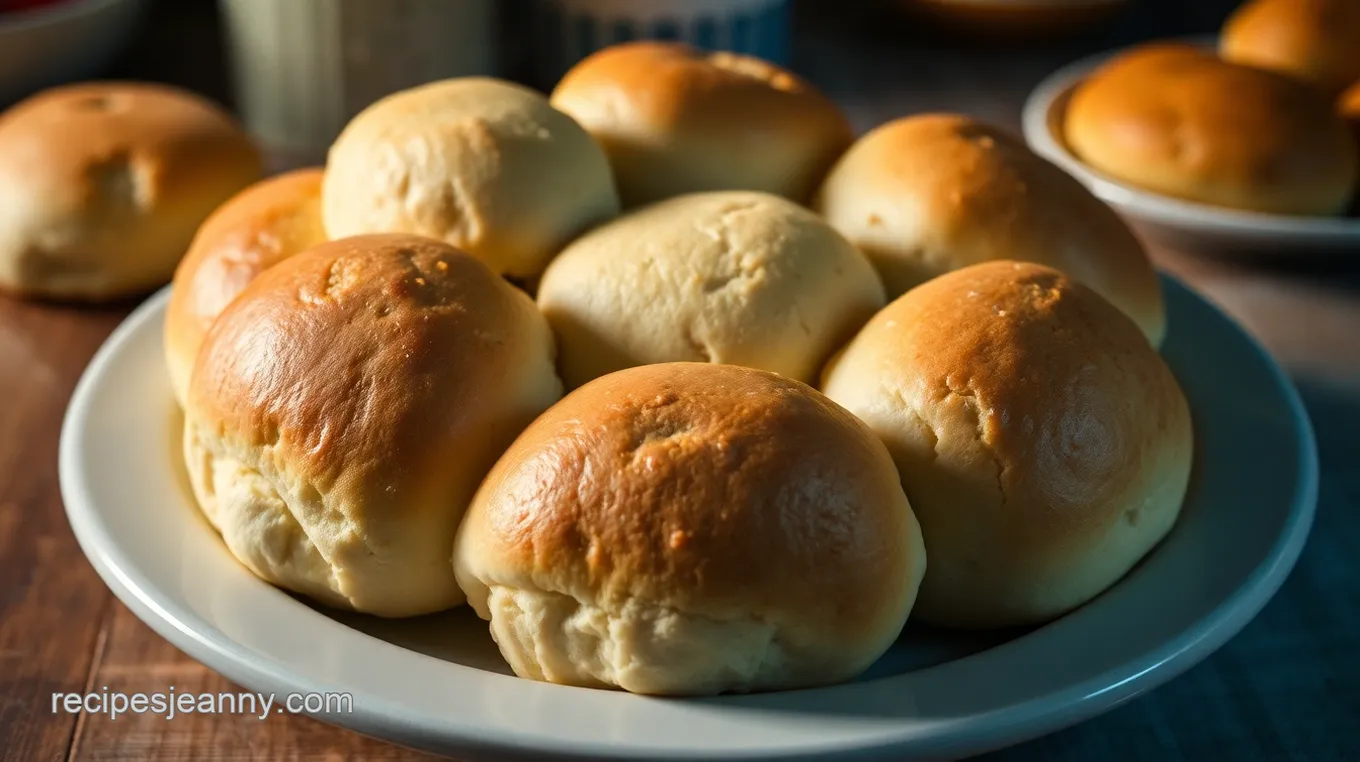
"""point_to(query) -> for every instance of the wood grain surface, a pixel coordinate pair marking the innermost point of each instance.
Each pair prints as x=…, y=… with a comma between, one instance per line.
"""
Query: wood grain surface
x=62, y=631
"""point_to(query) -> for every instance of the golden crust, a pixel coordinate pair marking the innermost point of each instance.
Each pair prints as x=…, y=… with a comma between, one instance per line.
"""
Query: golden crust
x=256, y=229
x=928, y=194
x=677, y=120
x=1044, y=444
x=370, y=382
x=1317, y=41
x=1178, y=120
x=102, y=186
x=712, y=490
x=483, y=164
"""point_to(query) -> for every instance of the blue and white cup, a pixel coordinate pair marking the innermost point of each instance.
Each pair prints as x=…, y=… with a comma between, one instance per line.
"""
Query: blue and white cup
x=562, y=32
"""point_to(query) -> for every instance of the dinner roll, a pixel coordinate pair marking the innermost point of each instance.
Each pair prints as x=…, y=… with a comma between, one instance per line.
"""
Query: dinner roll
x=676, y=120
x=258, y=228
x=928, y=194
x=103, y=185
x=1044, y=444
x=1177, y=120
x=732, y=277
x=344, y=408
x=486, y=165
x=690, y=528
x=1317, y=41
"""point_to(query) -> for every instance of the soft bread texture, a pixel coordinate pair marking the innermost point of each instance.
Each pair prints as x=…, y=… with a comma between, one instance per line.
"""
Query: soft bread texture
x=344, y=408
x=678, y=120
x=726, y=277
x=928, y=194
x=1044, y=444
x=1317, y=41
x=689, y=528
x=102, y=186
x=258, y=228
x=1177, y=120
x=485, y=165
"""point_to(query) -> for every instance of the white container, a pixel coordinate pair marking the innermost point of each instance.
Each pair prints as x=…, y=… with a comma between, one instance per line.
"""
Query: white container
x=61, y=43
x=563, y=32
x=303, y=68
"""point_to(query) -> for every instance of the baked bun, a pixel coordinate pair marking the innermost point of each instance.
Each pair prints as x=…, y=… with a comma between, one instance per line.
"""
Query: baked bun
x=344, y=408
x=690, y=528
x=103, y=185
x=677, y=120
x=258, y=228
x=1177, y=120
x=727, y=277
x=1317, y=41
x=928, y=194
x=485, y=165
x=1044, y=444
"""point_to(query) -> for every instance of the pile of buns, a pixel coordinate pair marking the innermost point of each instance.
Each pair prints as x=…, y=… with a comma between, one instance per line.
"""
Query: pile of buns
x=1270, y=122
x=679, y=386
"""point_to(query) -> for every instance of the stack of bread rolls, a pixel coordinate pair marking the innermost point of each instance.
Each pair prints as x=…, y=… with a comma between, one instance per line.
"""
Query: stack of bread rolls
x=814, y=387
x=1258, y=125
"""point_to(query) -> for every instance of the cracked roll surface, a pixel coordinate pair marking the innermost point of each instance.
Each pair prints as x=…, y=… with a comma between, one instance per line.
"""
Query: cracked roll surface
x=1317, y=41
x=102, y=186
x=730, y=277
x=676, y=120
x=1175, y=119
x=1043, y=443
x=485, y=165
x=690, y=528
x=928, y=194
x=256, y=229
x=344, y=408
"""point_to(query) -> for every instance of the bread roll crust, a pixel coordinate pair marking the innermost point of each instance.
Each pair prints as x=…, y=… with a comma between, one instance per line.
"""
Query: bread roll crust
x=256, y=229
x=482, y=164
x=1044, y=445
x=1317, y=41
x=689, y=493
x=727, y=277
x=102, y=186
x=678, y=120
x=1177, y=120
x=928, y=194
x=343, y=410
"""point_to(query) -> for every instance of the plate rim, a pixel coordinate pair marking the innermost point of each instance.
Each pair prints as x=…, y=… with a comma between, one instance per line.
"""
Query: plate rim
x=1150, y=206
x=1014, y=723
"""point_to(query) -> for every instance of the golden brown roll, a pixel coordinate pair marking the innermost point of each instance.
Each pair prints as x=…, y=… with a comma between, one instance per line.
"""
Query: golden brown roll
x=258, y=228
x=928, y=194
x=1317, y=41
x=728, y=277
x=1044, y=444
x=102, y=186
x=344, y=408
x=485, y=165
x=689, y=528
x=677, y=120
x=1179, y=121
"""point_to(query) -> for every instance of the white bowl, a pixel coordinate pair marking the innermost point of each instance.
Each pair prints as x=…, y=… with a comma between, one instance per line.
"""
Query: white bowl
x=61, y=43
x=1178, y=224
x=438, y=682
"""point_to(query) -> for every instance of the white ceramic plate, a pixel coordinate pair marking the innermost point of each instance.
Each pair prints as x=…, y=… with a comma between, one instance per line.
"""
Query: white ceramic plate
x=1171, y=221
x=438, y=682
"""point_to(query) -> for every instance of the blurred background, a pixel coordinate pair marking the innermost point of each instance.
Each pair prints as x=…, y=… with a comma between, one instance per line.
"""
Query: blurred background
x=297, y=69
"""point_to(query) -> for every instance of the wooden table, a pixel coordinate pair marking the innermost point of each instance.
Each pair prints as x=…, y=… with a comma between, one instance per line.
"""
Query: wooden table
x=62, y=631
